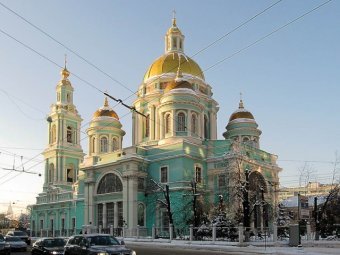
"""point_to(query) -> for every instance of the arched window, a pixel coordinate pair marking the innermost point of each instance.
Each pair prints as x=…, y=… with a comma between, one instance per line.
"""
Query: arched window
x=51, y=173
x=193, y=124
x=181, y=122
x=103, y=144
x=206, y=128
x=93, y=145
x=141, y=214
x=110, y=183
x=114, y=144
x=54, y=133
x=70, y=173
x=245, y=139
x=174, y=42
x=167, y=124
x=68, y=98
x=147, y=125
x=69, y=134
x=198, y=174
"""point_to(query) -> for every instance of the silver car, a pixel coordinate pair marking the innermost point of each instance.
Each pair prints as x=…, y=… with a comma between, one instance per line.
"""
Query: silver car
x=16, y=243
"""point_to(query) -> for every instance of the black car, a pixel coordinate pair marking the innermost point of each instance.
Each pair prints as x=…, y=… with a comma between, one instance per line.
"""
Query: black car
x=5, y=248
x=21, y=234
x=48, y=246
x=96, y=244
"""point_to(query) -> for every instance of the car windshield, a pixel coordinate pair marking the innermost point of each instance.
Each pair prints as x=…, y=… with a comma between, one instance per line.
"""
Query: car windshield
x=13, y=239
x=102, y=240
x=54, y=242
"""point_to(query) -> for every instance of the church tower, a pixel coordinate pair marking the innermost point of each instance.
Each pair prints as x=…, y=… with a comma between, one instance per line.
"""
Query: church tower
x=63, y=153
x=175, y=99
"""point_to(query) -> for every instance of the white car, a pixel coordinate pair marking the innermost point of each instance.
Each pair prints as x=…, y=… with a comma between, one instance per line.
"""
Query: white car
x=16, y=243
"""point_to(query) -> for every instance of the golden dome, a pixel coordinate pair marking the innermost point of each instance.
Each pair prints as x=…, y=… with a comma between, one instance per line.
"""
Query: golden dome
x=168, y=63
x=241, y=113
x=105, y=111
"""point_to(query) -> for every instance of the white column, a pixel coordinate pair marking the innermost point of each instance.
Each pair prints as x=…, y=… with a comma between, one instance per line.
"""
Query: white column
x=202, y=124
x=132, y=198
x=86, y=203
x=161, y=125
x=152, y=122
x=125, y=197
x=174, y=121
x=188, y=125
x=90, y=204
x=115, y=215
x=157, y=124
x=133, y=128
x=104, y=215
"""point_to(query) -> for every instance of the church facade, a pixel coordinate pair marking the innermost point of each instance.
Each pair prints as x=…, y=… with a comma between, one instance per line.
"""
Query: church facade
x=175, y=157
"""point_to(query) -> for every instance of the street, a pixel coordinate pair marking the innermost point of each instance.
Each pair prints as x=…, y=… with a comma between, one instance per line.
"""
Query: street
x=155, y=250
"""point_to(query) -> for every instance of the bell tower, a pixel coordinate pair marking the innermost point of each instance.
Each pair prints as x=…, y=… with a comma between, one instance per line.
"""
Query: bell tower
x=63, y=153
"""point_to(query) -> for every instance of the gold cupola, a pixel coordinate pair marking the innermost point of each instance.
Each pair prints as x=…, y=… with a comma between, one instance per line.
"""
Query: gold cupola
x=105, y=111
x=168, y=63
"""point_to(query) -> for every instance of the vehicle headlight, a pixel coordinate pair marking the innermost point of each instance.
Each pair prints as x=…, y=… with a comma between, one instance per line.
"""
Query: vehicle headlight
x=102, y=253
x=133, y=253
x=54, y=252
x=7, y=245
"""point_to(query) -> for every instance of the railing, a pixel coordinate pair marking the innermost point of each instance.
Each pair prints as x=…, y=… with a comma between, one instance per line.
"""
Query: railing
x=211, y=233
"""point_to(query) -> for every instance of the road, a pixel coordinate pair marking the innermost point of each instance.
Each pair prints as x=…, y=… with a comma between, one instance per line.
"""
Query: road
x=155, y=250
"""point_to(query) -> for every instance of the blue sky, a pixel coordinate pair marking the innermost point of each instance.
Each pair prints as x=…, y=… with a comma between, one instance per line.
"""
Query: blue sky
x=289, y=81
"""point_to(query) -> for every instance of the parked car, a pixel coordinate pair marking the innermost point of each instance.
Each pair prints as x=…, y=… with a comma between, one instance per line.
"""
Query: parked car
x=5, y=248
x=16, y=243
x=48, y=245
x=21, y=234
x=96, y=244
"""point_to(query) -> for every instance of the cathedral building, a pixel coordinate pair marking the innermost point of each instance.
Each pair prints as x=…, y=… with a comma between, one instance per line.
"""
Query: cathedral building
x=175, y=156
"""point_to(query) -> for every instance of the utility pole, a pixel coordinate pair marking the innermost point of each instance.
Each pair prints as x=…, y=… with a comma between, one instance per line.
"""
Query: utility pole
x=316, y=218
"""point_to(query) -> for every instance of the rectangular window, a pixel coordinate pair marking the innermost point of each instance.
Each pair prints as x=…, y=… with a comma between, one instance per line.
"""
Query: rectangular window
x=41, y=224
x=110, y=213
x=198, y=174
x=121, y=221
x=73, y=223
x=100, y=214
x=52, y=225
x=140, y=184
x=62, y=224
x=221, y=180
x=164, y=174
x=165, y=220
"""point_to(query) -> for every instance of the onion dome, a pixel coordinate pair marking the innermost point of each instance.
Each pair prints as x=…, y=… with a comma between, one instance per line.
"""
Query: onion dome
x=241, y=113
x=105, y=111
x=168, y=63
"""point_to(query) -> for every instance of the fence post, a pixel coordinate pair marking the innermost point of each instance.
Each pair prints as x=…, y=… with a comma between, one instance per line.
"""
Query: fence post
x=240, y=233
x=111, y=229
x=308, y=228
x=171, y=231
x=191, y=231
x=137, y=231
x=153, y=231
x=274, y=232
x=214, y=232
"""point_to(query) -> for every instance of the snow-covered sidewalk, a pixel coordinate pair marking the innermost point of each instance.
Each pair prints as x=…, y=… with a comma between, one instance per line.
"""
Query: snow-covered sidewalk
x=311, y=248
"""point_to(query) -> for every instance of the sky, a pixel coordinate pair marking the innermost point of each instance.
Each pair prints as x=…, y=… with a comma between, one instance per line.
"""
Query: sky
x=286, y=67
